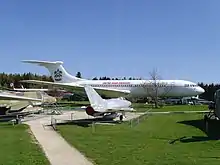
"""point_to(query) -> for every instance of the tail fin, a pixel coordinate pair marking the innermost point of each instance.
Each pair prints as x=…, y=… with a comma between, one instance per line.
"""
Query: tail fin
x=46, y=98
x=95, y=99
x=24, y=103
x=35, y=94
x=57, y=71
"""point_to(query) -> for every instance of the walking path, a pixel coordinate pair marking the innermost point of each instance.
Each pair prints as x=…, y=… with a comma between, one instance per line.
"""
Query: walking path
x=57, y=150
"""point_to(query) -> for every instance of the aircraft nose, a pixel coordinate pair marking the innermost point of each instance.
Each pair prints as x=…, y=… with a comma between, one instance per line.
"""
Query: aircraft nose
x=129, y=103
x=200, y=90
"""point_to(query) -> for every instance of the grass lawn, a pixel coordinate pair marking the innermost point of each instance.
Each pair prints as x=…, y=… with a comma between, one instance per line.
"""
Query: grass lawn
x=18, y=147
x=143, y=107
x=153, y=141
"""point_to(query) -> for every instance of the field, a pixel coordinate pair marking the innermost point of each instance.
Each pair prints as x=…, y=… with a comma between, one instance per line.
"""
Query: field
x=144, y=107
x=18, y=147
x=140, y=107
x=159, y=139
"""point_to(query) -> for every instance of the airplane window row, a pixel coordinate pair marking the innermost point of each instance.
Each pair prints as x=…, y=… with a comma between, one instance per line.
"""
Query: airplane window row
x=103, y=85
x=127, y=85
x=191, y=85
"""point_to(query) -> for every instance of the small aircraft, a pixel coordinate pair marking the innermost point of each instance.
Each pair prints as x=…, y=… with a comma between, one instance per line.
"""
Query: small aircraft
x=106, y=108
x=45, y=98
x=116, y=88
x=50, y=92
x=10, y=96
x=14, y=103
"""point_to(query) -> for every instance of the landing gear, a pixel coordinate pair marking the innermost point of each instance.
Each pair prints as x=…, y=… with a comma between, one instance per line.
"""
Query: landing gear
x=121, y=117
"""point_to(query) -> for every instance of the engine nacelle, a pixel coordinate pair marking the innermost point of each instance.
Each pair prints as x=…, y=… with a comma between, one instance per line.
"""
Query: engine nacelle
x=90, y=111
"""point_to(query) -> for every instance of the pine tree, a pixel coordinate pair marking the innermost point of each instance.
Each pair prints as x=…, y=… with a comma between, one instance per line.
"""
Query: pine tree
x=78, y=74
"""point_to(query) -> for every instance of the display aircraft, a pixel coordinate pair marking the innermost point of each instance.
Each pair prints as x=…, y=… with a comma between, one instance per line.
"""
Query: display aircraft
x=12, y=102
x=116, y=88
x=106, y=108
x=51, y=92
x=45, y=98
x=10, y=96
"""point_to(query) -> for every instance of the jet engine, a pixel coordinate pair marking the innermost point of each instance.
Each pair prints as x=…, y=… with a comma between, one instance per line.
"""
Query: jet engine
x=90, y=111
x=109, y=116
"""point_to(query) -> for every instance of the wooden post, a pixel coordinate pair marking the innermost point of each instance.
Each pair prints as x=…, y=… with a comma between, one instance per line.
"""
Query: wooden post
x=93, y=127
x=71, y=117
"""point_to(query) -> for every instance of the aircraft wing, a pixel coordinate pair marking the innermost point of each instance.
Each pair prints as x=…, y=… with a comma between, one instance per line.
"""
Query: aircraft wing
x=4, y=96
x=79, y=88
x=29, y=90
x=121, y=110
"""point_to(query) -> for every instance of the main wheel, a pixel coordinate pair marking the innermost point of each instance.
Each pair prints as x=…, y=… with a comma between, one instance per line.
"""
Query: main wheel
x=121, y=117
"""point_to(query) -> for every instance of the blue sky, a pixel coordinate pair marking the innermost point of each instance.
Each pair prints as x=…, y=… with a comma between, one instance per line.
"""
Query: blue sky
x=115, y=38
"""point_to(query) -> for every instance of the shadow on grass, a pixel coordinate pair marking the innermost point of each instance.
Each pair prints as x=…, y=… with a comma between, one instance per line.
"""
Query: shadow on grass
x=88, y=122
x=213, y=132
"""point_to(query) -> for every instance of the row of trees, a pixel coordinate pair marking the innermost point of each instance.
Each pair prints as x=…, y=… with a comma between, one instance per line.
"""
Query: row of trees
x=209, y=90
x=7, y=79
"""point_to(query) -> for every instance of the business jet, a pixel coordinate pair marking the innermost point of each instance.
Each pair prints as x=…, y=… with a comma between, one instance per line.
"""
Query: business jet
x=116, y=88
x=106, y=108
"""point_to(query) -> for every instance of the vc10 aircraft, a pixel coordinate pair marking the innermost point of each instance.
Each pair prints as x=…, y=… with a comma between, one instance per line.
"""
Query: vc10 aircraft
x=116, y=88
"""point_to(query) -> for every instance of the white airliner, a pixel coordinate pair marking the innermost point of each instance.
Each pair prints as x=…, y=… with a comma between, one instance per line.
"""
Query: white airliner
x=116, y=88
x=106, y=108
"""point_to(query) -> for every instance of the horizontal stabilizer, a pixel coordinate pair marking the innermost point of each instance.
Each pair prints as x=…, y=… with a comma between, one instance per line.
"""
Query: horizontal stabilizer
x=43, y=63
x=56, y=69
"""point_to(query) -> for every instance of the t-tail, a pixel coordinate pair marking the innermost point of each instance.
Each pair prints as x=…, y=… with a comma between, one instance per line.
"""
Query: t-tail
x=56, y=69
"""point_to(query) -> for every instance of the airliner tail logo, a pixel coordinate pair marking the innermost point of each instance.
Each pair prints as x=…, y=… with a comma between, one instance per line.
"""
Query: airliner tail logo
x=58, y=75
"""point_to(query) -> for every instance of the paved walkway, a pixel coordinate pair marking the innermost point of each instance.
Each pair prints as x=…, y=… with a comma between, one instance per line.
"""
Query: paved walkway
x=57, y=150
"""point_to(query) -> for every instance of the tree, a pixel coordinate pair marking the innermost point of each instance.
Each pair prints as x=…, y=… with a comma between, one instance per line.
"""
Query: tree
x=78, y=74
x=152, y=87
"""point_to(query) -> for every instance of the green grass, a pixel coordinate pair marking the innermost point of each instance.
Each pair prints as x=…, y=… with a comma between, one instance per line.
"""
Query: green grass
x=150, y=142
x=143, y=107
x=18, y=147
